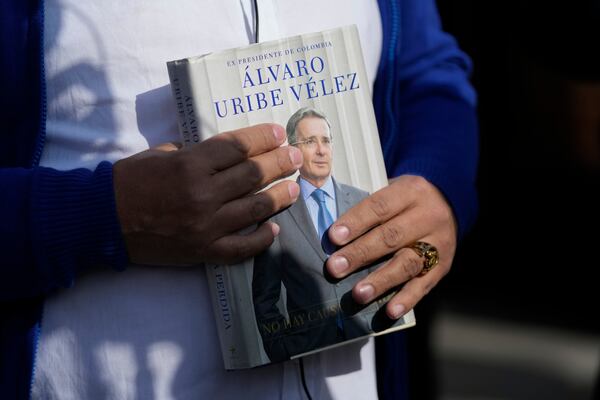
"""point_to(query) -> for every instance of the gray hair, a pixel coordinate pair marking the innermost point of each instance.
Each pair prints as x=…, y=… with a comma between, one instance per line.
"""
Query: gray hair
x=302, y=113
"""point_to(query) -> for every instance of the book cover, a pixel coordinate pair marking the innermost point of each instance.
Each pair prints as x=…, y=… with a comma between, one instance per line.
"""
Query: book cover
x=281, y=304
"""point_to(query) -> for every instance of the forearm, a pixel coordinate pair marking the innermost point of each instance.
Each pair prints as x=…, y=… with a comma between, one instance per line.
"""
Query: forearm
x=56, y=223
x=426, y=107
x=439, y=142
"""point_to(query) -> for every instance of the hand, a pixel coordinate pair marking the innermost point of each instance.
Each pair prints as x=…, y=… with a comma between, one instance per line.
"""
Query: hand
x=187, y=206
x=409, y=209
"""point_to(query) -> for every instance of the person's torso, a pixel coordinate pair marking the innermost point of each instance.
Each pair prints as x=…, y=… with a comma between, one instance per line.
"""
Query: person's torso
x=149, y=332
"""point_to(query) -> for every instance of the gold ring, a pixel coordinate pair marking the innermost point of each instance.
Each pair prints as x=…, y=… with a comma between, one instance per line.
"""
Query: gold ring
x=428, y=252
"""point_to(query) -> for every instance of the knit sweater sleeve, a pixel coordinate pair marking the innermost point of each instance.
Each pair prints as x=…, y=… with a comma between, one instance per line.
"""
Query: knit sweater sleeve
x=54, y=224
x=426, y=105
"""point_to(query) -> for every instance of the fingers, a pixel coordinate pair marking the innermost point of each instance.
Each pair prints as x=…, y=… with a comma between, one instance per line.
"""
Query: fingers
x=254, y=209
x=235, y=248
x=230, y=148
x=409, y=210
x=413, y=291
x=244, y=212
x=405, y=267
x=405, y=264
x=372, y=211
x=257, y=172
x=383, y=240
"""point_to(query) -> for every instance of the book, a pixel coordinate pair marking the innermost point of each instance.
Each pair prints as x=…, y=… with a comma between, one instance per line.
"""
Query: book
x=281, y=304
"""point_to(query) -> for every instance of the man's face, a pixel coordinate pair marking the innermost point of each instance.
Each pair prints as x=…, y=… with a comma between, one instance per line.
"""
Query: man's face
x=314, y=134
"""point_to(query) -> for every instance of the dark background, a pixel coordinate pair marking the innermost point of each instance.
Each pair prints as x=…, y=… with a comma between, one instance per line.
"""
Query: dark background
x=533, y=253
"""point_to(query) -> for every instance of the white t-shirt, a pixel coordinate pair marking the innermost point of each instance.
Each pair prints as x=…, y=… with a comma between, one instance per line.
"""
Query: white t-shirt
x=148, y=332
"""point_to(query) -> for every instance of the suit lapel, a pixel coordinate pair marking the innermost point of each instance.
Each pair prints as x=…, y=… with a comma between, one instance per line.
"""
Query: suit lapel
x=342, y=199
x=300, y=215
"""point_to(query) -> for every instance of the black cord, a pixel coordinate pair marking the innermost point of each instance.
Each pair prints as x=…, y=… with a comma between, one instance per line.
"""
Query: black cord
x=304, y=380
x=256, y=26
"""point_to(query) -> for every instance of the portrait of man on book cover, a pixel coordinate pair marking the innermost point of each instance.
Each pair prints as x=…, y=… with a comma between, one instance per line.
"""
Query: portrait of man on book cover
x=298, y=307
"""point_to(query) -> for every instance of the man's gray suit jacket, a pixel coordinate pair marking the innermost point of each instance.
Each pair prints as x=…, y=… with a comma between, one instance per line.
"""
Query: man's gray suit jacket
x=298, y=306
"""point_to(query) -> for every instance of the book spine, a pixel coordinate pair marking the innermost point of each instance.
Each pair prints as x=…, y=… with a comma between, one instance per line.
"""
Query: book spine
x=181, y=76
x=224, y=311
x=184, y=101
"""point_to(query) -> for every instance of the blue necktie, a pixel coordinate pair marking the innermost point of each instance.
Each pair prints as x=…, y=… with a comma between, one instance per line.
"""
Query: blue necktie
x=324, y=219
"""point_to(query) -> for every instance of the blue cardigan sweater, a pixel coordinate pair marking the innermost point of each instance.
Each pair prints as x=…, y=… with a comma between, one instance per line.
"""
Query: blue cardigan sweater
x=54, y=223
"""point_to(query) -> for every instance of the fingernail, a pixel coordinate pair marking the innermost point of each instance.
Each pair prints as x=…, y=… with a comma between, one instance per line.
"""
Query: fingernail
x=365, y=293
x=397, y=311
x=295, y=156
x=339, y=265
x=294, y=190
x=274, y=228
x=279, y=134
x=340, y=233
